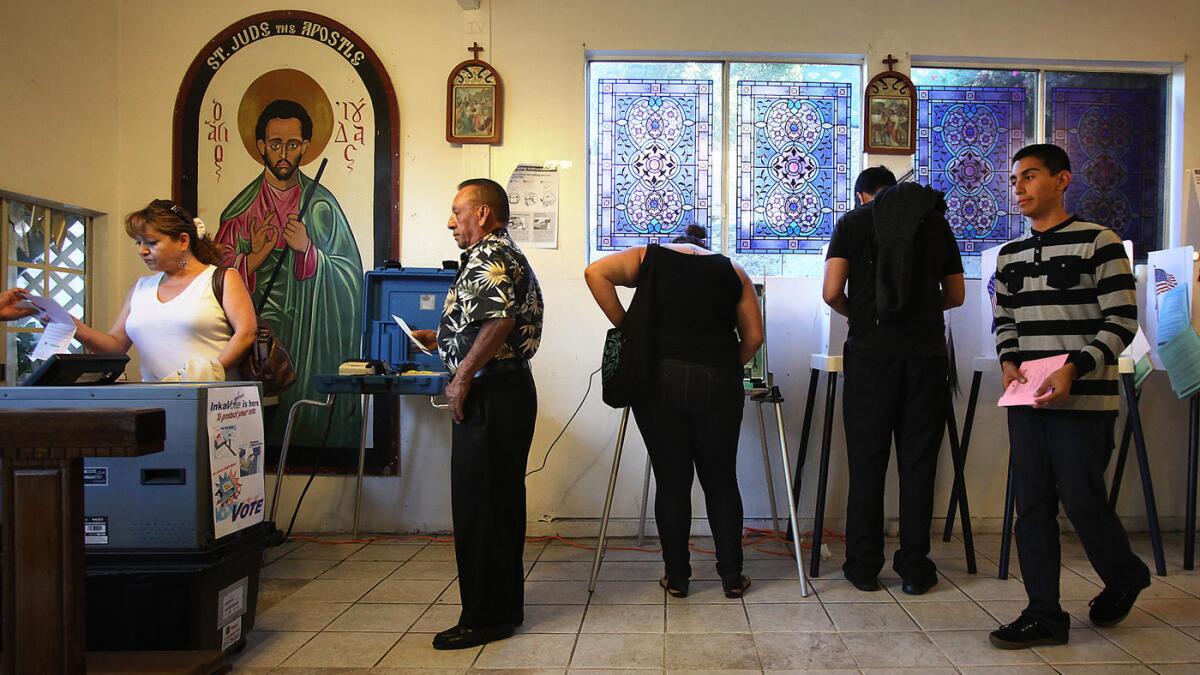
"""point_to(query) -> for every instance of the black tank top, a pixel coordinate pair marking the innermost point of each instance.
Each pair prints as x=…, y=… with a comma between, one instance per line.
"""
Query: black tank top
x=697, y=298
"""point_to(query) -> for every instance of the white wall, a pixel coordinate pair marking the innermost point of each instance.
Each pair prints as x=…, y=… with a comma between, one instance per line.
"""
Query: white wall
x=121, y=92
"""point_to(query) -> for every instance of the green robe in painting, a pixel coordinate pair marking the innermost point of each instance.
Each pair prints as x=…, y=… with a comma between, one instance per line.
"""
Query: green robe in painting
x=315, y=304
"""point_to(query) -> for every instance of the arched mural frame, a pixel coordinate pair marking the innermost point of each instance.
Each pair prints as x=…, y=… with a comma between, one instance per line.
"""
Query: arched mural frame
x=190, y=99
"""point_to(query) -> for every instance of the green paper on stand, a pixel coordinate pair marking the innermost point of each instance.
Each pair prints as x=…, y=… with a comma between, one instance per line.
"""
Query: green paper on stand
x=1181, y=358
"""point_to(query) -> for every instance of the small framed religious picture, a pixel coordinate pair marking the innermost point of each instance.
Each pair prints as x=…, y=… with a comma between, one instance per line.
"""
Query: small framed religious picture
x=474, y=101
x=891, y=102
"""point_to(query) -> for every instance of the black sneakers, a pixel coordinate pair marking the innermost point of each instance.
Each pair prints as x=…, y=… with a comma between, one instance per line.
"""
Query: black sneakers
x=919, y=587
x=676, y=587
x=1110, y=607
x=865, y=584
x=1026, y=632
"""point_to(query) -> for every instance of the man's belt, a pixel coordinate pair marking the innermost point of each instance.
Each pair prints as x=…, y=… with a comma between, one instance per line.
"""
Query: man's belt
x=502, y=366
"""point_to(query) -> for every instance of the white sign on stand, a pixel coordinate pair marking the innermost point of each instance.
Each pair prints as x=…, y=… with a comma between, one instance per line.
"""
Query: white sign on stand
x=1169, y=288
x=235, y=456
x=987, y=301
x=831, y=326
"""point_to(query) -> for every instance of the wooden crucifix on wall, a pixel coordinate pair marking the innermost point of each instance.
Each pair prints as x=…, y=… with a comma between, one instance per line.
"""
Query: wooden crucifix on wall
x=474, y=101
x=891, y=113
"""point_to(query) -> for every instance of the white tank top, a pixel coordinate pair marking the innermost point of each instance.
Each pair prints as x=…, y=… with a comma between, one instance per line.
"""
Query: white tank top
x=167, y=335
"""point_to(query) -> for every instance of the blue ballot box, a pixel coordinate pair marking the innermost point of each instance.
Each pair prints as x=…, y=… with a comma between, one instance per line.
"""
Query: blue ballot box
x=416, y=295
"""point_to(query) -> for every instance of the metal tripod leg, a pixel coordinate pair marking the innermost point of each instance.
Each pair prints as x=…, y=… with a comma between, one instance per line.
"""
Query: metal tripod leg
x=1007, y=530
x=802, y=452
x=968, y=424
x=762, y=436
x=787, y=479
x=1139, y=442
x=1189, y=517
x=823, y=475
x=362, y=458
x=287, y=441
x=608, y=499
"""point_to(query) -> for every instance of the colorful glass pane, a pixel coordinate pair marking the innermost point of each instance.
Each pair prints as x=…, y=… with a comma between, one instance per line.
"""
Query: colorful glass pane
x=1114, y=139
x=966, y=137
x=654, y=168
x=794, y=177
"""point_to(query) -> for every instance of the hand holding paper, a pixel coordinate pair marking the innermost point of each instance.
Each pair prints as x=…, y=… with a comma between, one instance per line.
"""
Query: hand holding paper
x=59, y=330
x=421, y=344
x=1031, y=391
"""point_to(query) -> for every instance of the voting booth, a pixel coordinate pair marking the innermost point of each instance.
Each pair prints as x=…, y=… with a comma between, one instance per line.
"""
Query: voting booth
x=173, y=540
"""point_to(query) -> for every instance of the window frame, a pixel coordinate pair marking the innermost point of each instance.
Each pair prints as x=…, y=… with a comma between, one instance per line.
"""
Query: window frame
x=58, y=213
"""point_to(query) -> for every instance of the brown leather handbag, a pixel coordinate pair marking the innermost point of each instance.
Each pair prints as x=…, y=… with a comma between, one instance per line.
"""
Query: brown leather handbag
x=268, y=360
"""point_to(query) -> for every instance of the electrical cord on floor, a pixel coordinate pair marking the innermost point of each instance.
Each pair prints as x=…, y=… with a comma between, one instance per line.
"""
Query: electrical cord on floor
x=320, y=458
x=546, y=458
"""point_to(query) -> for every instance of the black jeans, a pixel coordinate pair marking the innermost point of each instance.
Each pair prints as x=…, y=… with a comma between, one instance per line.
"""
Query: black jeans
x=490, y=450
x=1056, y=456
x=690, y=422
x=905, y=399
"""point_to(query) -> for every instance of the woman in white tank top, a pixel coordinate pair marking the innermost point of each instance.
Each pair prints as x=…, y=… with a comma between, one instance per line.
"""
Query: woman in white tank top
x=182, y=331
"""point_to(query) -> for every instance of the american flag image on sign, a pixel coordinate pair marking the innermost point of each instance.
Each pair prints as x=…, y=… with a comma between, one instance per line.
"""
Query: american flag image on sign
x=991, y=289
x=1163, y=281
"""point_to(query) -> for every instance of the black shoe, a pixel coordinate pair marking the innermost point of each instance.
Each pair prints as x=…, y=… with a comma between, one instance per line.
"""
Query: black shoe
x=465, y=638
x=677, y=588
x=1110, y=607
x=919, y=587
x=1025, y=632
x=735, y=586
x=868, y=584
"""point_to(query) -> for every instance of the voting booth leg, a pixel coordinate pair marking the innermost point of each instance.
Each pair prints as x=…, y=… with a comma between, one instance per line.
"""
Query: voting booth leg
x=762, y=436
x=608, y=499
x=968, y=424
x=362, y=457
x=1189, y=518
x=787, y=480
x=1122, y=457
x=823, y=476
x=1139, y=442
x=802, y=453
x=1006, y=531
x=287, y=441
x=958, y=460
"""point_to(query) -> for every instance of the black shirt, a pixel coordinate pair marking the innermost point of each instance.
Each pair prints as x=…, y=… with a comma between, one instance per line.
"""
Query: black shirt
x=697, y=298
x=920, y=331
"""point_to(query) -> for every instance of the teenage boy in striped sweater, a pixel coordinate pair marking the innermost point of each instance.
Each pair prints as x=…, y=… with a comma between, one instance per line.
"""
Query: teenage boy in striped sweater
x=1065, y=288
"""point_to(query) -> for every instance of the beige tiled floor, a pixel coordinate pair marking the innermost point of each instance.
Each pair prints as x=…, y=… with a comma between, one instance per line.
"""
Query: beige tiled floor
x=373, y=609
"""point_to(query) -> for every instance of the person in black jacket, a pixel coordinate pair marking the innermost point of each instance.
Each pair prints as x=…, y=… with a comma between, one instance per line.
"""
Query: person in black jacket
x=900, y=258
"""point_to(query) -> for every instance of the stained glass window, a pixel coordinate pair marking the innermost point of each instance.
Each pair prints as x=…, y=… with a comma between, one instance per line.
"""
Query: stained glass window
x=654, y=159
x=793, y=161
x=1113, y=129
x=46, y=252
x=966, y=137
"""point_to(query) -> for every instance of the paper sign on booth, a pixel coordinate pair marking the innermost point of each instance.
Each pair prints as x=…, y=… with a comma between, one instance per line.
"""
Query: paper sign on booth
x=235, y=455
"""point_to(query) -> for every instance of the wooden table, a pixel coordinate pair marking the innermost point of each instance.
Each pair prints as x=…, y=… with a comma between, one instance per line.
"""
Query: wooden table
x=44, y=605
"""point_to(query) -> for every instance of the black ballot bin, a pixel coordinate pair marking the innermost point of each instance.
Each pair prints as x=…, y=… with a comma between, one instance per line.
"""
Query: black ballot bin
x=149, y=600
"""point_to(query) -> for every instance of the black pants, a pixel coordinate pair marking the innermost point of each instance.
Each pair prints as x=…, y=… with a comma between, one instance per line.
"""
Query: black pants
x=905, y=399
x=691, y=422
x=487, y=492
x=1056, y=456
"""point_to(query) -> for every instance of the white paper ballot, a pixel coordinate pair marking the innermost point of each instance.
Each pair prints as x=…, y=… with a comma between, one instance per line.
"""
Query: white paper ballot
x=408, y=331
x=56, y=337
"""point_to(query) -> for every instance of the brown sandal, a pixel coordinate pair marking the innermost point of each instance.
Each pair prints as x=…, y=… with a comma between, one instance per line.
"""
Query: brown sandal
x=677, y=588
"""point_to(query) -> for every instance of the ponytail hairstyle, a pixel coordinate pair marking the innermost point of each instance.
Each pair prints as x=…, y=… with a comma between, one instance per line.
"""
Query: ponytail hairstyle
x=171, y=220
x=692, y=234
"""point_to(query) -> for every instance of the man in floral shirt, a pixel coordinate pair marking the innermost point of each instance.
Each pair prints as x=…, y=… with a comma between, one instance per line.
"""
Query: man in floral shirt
x=491, y=326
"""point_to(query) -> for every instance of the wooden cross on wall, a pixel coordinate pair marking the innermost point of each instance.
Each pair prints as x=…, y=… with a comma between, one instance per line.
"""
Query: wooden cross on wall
x=475, y=49
x=890, y=62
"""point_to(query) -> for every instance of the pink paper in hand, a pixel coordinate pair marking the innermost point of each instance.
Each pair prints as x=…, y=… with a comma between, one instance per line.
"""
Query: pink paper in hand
x=1036, y=372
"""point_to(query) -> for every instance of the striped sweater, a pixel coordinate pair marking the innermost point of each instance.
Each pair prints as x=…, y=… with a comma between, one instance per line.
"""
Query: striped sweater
x=1068, y=290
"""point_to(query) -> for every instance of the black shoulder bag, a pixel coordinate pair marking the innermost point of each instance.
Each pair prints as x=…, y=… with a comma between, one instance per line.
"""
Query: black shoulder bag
x=628, y=358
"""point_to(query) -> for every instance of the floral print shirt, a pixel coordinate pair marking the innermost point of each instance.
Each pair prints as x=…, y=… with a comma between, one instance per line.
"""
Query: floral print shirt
x=494, y=281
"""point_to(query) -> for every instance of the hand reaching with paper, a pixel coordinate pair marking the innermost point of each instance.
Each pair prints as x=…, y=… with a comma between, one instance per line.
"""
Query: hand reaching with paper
x=426, y=338
x=1055, y=388
x=14, y=304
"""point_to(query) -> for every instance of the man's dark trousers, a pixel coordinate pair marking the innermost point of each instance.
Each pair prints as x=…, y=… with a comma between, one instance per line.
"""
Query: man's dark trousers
x=1061, y=455
x=490, y=450
x=905, y=399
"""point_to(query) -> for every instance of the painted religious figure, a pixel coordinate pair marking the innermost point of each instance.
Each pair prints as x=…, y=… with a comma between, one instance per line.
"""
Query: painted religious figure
x=285, y=121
